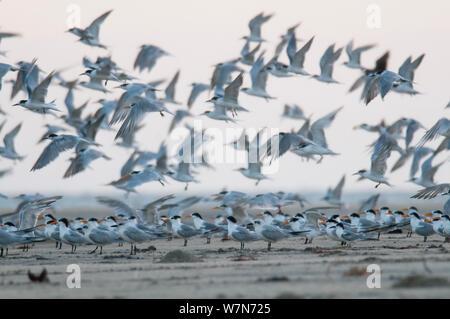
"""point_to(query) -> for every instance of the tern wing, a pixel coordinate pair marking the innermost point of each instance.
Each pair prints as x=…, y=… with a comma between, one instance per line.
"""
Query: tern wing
x=52, y=151
x=94, y=28
x=40, y=92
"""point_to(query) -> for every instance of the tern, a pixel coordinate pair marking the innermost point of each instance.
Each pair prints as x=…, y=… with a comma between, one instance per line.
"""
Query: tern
x=170, y=90
x=421, y=227
x=407, y=70
x=69, y=236
x=247, y=55
x=378, y=160
x=230, y=98
x=182, y=230
x=59, y=144
x=326, y=65
x=9, y=151
x=206, y=228
x=148, y=56
x=5, y=68
x=240, y=233
x=90, y=35
x=354, y=55
x=433, y=191
x=130, y=181
x=255, y=27
x=36, y=101
x=258, y=76
x=333, y=196
x=442, y=127
x=270, y=233
x=426, y=179
x=84, y=157
x=297, y=58
x=197, y=89
x=182, y=174
x=381, y=83
x=293, y=112
x=137, y=112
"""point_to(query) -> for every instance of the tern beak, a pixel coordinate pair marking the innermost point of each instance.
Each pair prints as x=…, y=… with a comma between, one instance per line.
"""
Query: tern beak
x=223, y=220
x=294, y=149
x=83, y=221
x=428, y=214
x=127, y=107
x=285, y=223
x=259, y=215
x=216, y=207
x=166, y=220
x=187, y=216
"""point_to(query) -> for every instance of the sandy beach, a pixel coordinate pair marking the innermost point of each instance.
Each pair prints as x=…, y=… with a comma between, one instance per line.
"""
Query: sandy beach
x=409, y=267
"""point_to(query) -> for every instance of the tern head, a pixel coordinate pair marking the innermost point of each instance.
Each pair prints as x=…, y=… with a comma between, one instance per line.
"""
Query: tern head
x=196, y=215
x=64, y=221
x=50, y=136
x=214, y=98
x=414, y=208
x=361, y=171
x=231, y=219
x=415, y=215
x=21, y=102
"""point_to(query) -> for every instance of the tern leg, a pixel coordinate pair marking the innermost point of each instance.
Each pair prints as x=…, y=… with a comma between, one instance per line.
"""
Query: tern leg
x=306, y=241
x=1, y=252
x=185, y=243
x=269, y=244
x=447, y=240
x=60, y=245
x=376, y=186
x=56, y=245
x=6, y=251
x=93, y=251
x=424, y=238
x=101, y=250
x=208, y=240
x=131, y=252
x=135, y=249
x=257, y=182
x=186, y=187
x=379, y=236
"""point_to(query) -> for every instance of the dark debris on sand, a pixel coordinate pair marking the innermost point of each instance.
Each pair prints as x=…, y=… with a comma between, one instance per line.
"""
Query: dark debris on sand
x=179, y=256
x=421, y=281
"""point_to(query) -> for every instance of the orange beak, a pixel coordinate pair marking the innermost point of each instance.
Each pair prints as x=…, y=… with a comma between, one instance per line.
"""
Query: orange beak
x=429, y=214
x=224, y=220
x=101, y=220
x=285, y=223
x=40, y=217
x=83, y=221
x=259, y=215
x=436, y=218
x=345, y=217
x=187, y=216
x=54, y=222
x=361, y=213
x=123, y=220
x=428, y=221
x=216, y=207
x=127, y=107
x=165, y=220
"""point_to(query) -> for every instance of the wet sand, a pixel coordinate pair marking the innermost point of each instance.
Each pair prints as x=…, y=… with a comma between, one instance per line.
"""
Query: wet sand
x=322, y=269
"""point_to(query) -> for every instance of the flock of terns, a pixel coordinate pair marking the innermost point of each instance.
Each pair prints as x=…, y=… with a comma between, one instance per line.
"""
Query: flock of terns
x=32, y=221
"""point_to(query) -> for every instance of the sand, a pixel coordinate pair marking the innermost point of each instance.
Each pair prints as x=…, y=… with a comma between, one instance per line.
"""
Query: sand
x=322, y=269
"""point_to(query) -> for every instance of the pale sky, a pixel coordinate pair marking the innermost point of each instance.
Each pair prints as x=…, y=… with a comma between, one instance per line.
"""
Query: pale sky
x=201, y=33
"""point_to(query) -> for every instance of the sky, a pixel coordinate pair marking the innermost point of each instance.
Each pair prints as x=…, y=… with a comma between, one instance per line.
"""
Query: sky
x=200, y=33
